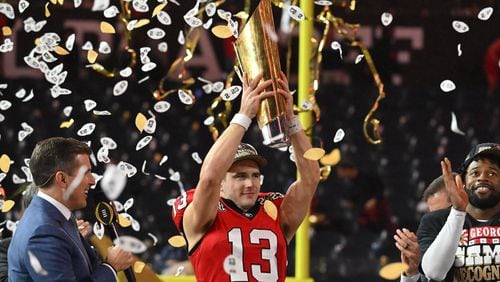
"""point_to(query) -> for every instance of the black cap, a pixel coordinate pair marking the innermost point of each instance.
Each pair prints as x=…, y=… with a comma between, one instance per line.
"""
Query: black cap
x=480, y=149
x=247, y=152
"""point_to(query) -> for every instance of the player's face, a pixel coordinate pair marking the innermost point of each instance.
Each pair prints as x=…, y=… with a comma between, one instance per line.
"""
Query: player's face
x=482, y=183
x=242, y=184
x=78, y=197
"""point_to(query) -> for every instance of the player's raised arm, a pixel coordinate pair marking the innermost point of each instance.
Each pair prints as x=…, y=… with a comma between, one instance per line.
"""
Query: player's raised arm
x=299, y=195
x=200, y=214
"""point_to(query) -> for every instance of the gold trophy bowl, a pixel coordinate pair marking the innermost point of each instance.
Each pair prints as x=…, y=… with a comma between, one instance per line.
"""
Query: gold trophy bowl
x=257, y=53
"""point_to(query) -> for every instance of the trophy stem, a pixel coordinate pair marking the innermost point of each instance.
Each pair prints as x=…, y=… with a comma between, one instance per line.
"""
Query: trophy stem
x=275, y=133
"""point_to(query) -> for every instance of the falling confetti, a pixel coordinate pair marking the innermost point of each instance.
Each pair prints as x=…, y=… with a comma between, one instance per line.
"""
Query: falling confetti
x=314, y=154
x=459, y=49
x=460, y=26
x=359, y=58
x=296, y=13
x=336, y=46
x=447, y=85
x=392, y=271
x=130, y=244
x=485, y=13
x=339, y=135
x=139, y=266
x=386, y=19
x=177, y=241
x=36, y=265
x=4, y=163
x=454, y=125
x=140, y=121
x=270, y=209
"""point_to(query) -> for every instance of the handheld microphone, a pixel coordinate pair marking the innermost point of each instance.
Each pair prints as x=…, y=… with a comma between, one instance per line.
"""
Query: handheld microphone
x=105, y=214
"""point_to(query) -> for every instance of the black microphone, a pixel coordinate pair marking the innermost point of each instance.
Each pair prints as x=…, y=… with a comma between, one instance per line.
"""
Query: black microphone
x=105, y=214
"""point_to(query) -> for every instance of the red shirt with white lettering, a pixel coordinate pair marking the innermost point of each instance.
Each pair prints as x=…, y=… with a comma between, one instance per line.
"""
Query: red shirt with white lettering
x=238, y=246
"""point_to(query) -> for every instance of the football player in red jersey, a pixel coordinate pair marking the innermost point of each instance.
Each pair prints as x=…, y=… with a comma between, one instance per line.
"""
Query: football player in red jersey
x=234, y=232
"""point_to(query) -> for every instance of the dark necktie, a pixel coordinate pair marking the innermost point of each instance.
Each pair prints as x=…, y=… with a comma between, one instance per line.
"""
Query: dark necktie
x=77, y=238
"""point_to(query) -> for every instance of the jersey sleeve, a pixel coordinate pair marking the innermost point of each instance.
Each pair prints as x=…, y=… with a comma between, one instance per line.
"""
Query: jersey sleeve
x=179, y=208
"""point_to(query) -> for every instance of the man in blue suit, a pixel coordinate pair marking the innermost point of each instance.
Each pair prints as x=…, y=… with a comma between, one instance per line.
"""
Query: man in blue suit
x=46, y=245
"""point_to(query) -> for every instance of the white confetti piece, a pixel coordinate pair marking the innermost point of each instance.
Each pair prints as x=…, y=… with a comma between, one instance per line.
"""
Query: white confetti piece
x=163, y=47
x=143, y=79
x=36, y=265
x=150, y=126
x=209, y=120
x=18, y=180
x=128, y=204
x=130, y=244
x=109, y=143
x=67, y=110
x=89, y=104
x=77, y=180
x=323, y=2
x=27, y=127
x=175, y=176
x=101, y=113
x=164, y=18
x=218, y=86
x=210, y=9
x=339, y=135
x=447, y=85
x=459, y=49
x=163, y=160
x=87, y=46
x=156, y=33
x=20, y=93
x=7, y=10
x=98, y=230
x=231, y=93
x=296, y=13
x=140, y=6
x=103, y=155
x=336, y=46
x=196, y=157
x=386, y=18
x=454, y=125
x=77, y=3
x=180, y=38
x=143, y=142
x=118, y=206
x=161, y=106
x=359, y=58
x=193, y=22
x=148, y=66
x=460, y=26
x=27, y=172
x=306, y=105
x=86, y=129
x=57, y=91
x=111, y=12
x=23, y=5
x=126, y=72
x=120, y=87
x=185, y=97
x=155, y=239
x=104, y=47
x=135, y=225
x=113, y=181
x=208, y=23
x=180, y=270
x=2, y=117
x=231, y=264
x=29, y=97
x=171, y=202
x=485, y=13
x=100, y=5
x=5, y=105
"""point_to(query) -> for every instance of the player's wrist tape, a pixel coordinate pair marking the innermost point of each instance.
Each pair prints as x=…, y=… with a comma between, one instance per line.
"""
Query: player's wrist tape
x=241, y=120
x=294, y=125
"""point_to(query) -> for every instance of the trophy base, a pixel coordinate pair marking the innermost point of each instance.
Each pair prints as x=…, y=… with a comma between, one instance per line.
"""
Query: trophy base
x=275, y=133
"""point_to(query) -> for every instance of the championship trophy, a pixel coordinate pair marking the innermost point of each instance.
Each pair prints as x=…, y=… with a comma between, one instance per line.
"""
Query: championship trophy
x=257, y=53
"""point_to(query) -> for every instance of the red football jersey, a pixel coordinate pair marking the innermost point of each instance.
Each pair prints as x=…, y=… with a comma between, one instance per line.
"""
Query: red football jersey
x=236, y=247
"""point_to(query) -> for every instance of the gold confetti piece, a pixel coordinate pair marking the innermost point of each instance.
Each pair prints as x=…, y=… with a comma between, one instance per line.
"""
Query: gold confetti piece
x=123, y=221
x=141, y=23
x=242, y=15
x=61, y=51
x=270, y=209
x=324, y=172
x=140, y=121
x=92, y=56
x=107, y=28
x=4, y=163
x=6, y=31
x=177, y=241
x=314, y=154
x=7, y=205
x=222, y=31
x=53, y=2
x=37, y=41
x=393, y=270
x=158, y=9
x=67, y=124
x=332, y=158
x=47, y=12
x=139, y=266
x=61, y=2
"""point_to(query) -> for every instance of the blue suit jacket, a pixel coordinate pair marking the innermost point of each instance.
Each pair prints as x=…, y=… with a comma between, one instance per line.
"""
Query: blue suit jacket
x=45, y=232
